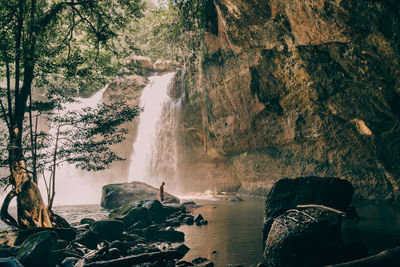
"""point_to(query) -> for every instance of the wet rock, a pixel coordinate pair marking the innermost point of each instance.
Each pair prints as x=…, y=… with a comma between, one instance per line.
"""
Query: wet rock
x=183, y=264
x=167, y=235
x=10, y=262
x=174, y=222
x=109, y=230
x=199, y=260
x=87, y=221
x=130, y=215
x=182, y=248
x=113, y=253
x=189, y=220
x=235, y=199
x=304, y=237
x=37, y=250
x=288, y=193
x=68, y=234
x=159, y=212
x=198, y=218
x=117, y=195
x=89, y=239
x=69, y=262
x=201, y=222
x=61, y=244
x=120, y=246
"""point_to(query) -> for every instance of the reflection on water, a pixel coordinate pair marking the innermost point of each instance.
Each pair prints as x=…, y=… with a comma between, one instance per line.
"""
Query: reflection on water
x=378, y=227
x=233, y=233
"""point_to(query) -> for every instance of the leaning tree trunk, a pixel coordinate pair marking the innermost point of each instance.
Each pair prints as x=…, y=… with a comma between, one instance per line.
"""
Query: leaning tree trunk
x=32, y=211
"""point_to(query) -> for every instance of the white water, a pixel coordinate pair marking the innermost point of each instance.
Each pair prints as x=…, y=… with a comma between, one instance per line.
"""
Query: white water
x=154, y=158
x=74, y=186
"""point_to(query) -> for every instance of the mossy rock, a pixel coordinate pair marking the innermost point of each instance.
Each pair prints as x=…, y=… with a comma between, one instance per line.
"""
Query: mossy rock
x=37, y=250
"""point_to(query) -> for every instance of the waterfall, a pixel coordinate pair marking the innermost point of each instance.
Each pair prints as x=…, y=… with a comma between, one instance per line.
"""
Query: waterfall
x=74, y=186
x=154, y=157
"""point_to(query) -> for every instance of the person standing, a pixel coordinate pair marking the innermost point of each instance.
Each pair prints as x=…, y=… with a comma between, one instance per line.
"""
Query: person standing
x=162, y=192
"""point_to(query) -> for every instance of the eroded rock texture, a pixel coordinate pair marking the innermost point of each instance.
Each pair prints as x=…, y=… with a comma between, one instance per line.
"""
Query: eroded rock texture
x=298, y=88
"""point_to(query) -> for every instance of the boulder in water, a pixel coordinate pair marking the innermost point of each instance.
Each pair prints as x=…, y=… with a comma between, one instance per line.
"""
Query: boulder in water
x=37, y=250
x=288, y=193
x=116, y=195
x=308, y=237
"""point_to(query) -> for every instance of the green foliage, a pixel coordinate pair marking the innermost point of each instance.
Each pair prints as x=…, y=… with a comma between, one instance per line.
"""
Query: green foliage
x=62, y=49
x=86, y=137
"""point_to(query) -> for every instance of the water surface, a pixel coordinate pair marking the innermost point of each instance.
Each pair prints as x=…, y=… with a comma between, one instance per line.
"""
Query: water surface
x=233, y=233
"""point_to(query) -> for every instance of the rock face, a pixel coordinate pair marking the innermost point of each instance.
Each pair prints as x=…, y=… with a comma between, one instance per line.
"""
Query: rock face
x=297, y=88
x=116, y=195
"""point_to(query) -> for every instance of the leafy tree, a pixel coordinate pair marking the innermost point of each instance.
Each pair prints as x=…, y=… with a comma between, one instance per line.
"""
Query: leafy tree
x=58, y=45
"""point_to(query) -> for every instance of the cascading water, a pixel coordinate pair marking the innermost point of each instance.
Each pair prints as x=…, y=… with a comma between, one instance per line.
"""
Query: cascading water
x=155, y=156
x=74, y=186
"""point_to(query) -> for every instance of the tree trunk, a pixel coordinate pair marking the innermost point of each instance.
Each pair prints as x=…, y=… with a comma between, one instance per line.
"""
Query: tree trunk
x=31, y=209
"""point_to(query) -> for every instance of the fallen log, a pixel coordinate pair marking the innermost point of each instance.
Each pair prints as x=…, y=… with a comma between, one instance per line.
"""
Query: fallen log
x=137, y=259
x=387, y=258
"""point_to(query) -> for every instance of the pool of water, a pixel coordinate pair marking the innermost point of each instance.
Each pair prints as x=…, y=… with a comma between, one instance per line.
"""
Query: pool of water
x=234, y=231
x=233, y=234
x=378, y=228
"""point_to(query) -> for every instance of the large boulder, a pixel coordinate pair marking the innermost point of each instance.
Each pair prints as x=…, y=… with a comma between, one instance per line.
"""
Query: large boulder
x=288, y=193
x=309, y=237
x=37, y=250
x=131, y=214
x=117, y=195
x=67, y=234
x=159, y=212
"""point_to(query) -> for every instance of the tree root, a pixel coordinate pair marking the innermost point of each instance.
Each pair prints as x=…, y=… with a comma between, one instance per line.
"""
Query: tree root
x=4, y=215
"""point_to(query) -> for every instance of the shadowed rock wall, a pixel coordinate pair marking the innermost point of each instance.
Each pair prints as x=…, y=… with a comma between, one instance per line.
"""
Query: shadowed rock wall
x=299, y=88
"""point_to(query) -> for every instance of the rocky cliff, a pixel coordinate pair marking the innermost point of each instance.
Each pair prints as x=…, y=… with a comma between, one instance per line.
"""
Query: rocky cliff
x=297, y=88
